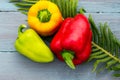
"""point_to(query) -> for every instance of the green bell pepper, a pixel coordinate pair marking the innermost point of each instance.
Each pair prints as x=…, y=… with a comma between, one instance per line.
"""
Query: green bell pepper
x=32, y=46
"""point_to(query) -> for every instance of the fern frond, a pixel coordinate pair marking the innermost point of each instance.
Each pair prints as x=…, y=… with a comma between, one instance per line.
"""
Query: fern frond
x=23, y=5
x=105, y=47
x=68, y=8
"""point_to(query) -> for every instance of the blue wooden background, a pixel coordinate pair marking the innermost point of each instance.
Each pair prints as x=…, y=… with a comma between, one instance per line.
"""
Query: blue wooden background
x=14, y=66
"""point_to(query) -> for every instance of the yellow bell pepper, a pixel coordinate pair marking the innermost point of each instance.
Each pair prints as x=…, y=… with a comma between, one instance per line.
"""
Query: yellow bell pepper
x=44, y=17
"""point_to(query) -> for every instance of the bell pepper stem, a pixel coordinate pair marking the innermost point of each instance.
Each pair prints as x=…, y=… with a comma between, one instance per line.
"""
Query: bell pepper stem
x=68, y=56
x=21, y=27
x=44, y=15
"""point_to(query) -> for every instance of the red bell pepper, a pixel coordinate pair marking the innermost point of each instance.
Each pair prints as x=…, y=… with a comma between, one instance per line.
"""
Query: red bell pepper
x=72, y=43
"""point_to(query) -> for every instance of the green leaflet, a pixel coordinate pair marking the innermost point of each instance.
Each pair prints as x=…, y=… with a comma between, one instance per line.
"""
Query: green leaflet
x=24, y=5
x=105, y=47
x=68, y=8
x=116, y=68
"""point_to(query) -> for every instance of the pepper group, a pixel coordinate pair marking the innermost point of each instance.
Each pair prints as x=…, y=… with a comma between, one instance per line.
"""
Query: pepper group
x=71, y=37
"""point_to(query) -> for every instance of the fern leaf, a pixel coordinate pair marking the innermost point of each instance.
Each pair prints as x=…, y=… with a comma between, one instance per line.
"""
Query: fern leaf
x=103, y=60
x=68, y=8
x=116, y=75
x=110, y=63
x=116, y=68
x=105, y=47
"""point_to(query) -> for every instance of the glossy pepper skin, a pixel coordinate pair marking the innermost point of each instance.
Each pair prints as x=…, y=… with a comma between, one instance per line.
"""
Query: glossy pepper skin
x=72, y=43
x=44, y=17
x=32, y=46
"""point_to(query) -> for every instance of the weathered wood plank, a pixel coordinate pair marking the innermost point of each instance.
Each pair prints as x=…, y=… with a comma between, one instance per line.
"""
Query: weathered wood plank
x=13, y=66
x=100, y=7
x=91, y=6
x=10, y=21
x=6, y=6
x=117, y=1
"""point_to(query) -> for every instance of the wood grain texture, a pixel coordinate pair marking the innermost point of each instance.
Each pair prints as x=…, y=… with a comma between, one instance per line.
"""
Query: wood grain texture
x=5, y=5
x=9, y=23
x=100, y=7
x=117, y=1
x=14, y=66
x=90, y=6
